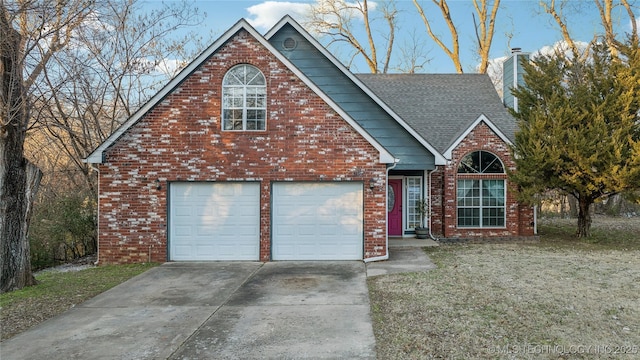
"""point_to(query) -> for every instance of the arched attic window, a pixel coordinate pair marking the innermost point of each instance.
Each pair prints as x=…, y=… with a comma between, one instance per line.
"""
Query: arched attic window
x=481, y=197
x=244, y=99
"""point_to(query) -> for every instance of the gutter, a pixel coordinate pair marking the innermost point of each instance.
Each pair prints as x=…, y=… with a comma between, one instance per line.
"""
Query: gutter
x=386, y=256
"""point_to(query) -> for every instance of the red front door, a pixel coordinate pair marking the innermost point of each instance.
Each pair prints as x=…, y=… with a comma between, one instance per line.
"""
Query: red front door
x=394, y=207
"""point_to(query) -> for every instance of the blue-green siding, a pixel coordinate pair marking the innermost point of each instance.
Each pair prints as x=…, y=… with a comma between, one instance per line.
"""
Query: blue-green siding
x=508, y=81
x=353, y=100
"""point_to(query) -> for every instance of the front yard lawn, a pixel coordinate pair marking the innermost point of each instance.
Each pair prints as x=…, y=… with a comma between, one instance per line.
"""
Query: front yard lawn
x=57, y=292
x=560, y=298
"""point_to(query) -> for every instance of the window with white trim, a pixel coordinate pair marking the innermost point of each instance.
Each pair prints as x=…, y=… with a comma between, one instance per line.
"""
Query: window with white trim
x=413, y=195
x=481, y=199
x=244, y=99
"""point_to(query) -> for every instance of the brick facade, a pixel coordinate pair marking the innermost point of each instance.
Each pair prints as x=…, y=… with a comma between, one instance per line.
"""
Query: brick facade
x=519, y=217
x=180, y=139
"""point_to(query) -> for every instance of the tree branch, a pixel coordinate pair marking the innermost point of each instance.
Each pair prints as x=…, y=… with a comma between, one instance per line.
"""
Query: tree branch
x=454, y=52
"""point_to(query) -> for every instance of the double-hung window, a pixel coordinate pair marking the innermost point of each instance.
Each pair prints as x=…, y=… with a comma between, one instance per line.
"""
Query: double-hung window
x=244, y=99
x=481, y=191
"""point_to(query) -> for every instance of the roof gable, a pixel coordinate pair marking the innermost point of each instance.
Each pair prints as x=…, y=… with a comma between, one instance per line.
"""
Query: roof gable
x=481, y=119
x=426, y=144
x=97, y=155
x=443, y=107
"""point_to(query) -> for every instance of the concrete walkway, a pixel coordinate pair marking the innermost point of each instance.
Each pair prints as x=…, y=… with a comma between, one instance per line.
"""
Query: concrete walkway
x=405, y=255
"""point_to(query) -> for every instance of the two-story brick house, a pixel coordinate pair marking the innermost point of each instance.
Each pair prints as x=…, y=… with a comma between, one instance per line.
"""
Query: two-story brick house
x=265, y=148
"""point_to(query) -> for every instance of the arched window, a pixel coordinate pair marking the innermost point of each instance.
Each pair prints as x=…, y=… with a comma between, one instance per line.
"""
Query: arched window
x=480, y=162
x=481, y=201
x=244, y=99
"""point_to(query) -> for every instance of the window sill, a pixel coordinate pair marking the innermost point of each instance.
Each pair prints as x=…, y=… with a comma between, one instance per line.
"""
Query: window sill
x=481, y=228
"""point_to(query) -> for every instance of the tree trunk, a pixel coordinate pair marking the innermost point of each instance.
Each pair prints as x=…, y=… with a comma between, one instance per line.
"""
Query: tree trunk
x=584, y=217
x=19, y=179
x=16, y=255
x=573, y=206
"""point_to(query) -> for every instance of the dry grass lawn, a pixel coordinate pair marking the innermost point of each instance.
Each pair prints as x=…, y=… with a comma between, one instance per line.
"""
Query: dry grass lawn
x=57, y=292
x=556, y=299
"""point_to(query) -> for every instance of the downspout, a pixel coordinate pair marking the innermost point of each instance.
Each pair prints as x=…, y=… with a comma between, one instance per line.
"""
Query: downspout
x=430, y=204
x=97, y=218
x=386, y=256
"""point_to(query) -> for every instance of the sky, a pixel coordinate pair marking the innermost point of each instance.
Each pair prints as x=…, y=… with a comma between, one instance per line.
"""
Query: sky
x=521, y=23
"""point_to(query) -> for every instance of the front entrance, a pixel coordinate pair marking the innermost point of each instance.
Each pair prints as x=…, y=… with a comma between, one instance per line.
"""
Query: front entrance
x=394, y=207
x=403, y=194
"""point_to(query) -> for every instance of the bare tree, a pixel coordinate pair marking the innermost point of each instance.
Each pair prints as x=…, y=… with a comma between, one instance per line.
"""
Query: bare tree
x=485, y=28
x=452, y=52
x=19, y=179
x=72, y=71
x=118, y=60
x=337, y=19
x=605, y=8
x=607, y=20
x=413, y=57
x=557, y=13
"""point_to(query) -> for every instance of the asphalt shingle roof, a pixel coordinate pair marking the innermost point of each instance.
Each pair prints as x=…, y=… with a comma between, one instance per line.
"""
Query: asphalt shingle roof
x=440, y=107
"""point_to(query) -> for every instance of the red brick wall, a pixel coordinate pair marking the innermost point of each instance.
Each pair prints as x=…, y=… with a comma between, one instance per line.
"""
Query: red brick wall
x=181, y=140
x=437, y=201
x=519, y=218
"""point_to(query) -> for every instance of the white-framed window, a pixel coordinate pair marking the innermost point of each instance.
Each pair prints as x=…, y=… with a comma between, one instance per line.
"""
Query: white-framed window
x=413, y=195
x=244, y=99
x=481, y=200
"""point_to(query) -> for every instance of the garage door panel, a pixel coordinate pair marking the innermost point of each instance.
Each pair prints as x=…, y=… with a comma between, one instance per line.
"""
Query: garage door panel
x=308, y=249
x=350, y=213
x=214, y=221
x=182, y=211
x=351, y=230
x=182, y=250
x=182, y=230
x=327, y=230
x=248, y=211
x=247, y=230
x=228, y=250
x=205, y=231
x=205, y=251
x=311, y=221
x=306, y=230
x=285, y=250
x=284, y=230
x=201, y=210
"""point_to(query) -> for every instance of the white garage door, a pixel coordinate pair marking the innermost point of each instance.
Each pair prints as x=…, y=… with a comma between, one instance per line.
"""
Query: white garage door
x=214, y=221
x=317, y=221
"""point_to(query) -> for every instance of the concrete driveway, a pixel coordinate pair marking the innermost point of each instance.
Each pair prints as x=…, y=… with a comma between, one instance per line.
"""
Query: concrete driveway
x=230, y=310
